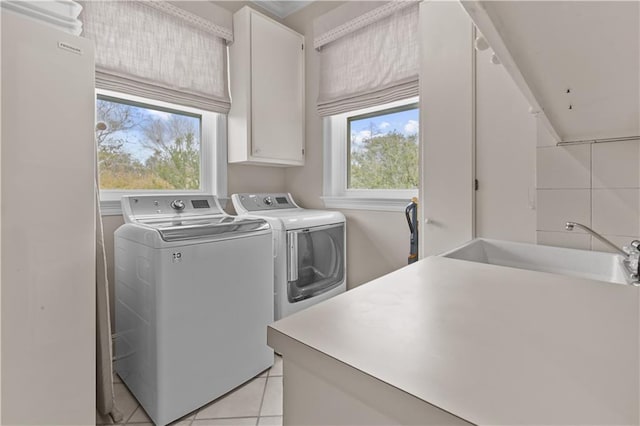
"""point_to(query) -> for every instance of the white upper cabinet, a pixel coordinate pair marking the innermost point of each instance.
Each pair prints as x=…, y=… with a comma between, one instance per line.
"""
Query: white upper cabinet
x=576, y=62
x=266, y=120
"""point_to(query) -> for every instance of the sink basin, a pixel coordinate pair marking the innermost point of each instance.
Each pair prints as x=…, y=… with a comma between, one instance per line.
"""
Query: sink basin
x=578, y=263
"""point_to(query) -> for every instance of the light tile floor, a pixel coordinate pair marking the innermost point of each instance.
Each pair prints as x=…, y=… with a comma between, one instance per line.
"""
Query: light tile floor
x=257, y=403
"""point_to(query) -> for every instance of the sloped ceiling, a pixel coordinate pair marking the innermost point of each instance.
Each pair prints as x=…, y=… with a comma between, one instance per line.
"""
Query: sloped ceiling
x=581, y=60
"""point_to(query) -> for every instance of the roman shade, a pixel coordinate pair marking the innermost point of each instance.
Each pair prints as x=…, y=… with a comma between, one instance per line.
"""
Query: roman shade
x=156, y=50
x=369, y=55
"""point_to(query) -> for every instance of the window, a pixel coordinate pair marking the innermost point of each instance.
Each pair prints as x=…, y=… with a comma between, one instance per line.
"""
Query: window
x=142, y=147
x=383, y=149
x=372, y=157
x=152, y=146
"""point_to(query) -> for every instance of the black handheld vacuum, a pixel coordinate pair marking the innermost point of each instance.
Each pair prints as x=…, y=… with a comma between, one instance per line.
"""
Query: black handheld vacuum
x=411, y=212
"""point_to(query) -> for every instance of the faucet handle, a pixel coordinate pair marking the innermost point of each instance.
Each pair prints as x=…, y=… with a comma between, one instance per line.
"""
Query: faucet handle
x=633, y=249
x=636, y=258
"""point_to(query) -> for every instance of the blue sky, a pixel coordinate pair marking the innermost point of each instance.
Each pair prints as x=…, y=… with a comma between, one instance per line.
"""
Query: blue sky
x=403, y=122
x=135, y=136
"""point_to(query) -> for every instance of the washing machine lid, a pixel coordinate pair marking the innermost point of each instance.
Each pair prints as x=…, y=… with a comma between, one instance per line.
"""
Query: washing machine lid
x=205, y=227
x=186, y=216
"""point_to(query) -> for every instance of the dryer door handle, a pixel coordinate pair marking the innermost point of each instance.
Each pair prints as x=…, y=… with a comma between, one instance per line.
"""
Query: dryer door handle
x=292, y=256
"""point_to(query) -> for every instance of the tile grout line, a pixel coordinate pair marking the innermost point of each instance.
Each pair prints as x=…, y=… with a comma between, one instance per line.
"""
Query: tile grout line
x=126, y=422
x=264, y=391
x=191, y=421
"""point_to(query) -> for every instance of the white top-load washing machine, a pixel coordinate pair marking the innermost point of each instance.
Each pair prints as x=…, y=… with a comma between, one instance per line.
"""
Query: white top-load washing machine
x=193, y=301
x=309, y=249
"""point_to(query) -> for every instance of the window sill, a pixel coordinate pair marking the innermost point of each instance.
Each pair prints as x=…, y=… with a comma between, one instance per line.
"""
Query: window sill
x=367, y=203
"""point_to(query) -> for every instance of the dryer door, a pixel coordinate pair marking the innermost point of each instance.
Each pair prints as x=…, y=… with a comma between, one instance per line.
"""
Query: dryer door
x=315, y=261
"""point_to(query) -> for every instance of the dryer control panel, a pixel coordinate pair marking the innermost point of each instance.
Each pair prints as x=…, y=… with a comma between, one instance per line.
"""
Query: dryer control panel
x=265, y=201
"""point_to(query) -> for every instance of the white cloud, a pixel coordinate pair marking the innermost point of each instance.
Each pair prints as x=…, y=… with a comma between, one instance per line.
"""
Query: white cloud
x=383, y=125
x=357, y=138
x=159, y=114
x=411, y=127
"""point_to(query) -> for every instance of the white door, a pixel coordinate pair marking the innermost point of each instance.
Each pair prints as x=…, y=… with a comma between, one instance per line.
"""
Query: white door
x=48, y=225
x=446, y=122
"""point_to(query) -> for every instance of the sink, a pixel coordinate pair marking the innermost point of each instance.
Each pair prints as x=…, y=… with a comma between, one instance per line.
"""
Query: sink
x=578, y=263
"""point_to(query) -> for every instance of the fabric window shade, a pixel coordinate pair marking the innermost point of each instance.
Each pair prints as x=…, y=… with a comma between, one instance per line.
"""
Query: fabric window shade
x=371, y=65
x=159, y=51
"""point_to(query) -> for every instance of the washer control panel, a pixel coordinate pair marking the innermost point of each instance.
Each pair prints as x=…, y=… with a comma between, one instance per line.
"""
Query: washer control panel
x=179, y=205
x=257, y=202
x=160, y=206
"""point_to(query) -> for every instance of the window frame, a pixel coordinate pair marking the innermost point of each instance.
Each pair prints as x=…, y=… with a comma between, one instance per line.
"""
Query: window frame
x=336, y=193
x=213, y=152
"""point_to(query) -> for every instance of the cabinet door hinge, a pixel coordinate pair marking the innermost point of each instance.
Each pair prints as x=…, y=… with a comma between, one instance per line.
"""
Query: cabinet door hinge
x=302, y=151
x=303, y=47
x=476, y=184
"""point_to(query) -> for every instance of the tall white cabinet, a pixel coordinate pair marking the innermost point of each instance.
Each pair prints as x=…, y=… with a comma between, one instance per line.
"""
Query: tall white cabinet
x=48, y=225
x=266, y=120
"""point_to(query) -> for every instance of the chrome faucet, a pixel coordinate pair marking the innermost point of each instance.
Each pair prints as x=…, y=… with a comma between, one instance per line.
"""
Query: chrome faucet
x=631, y=254
x=570, y=225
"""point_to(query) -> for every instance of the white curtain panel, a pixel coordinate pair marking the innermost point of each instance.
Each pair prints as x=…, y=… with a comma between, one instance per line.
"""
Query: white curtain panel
x=372, y=65
x=159, y=51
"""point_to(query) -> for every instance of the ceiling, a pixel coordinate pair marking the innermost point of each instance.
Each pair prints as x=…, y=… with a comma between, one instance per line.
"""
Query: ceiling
x=580, y=61
x=282, y=8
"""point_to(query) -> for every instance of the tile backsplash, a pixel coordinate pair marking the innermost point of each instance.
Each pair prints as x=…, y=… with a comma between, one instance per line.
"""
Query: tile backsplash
x=597, y=185
x=563, y=168
x=557, y=206
x=616, y=165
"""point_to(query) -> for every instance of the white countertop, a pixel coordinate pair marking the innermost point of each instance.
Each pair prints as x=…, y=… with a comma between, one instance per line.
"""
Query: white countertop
x=490, y=344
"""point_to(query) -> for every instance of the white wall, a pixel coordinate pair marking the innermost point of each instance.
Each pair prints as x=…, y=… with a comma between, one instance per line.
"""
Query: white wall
x=505, y=156
x=377, y=242
x=527, y=193
x=0, y=257
x=597, y=185
x=446, y=126
x=240, y=178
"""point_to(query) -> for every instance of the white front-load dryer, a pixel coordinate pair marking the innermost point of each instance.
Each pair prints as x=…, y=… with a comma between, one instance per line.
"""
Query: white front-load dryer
x=193, y=301
x=309, y=249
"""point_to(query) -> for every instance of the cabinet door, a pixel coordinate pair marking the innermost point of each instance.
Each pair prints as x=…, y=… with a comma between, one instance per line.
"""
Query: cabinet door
x=48, y=224
x=277, y=91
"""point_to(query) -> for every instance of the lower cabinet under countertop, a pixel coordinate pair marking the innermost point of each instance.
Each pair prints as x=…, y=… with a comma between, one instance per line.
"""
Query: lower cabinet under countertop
x=446, y=341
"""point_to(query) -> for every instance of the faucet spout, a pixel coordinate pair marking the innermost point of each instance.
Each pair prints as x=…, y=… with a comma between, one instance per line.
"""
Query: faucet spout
x=571, y=225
